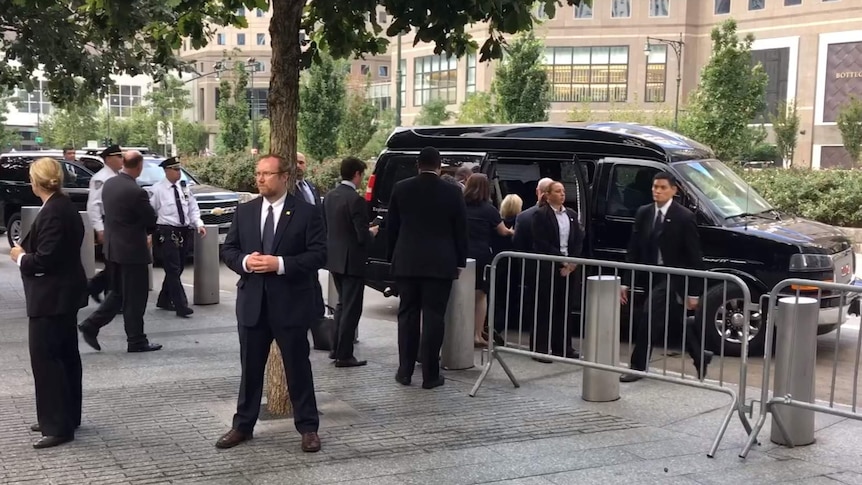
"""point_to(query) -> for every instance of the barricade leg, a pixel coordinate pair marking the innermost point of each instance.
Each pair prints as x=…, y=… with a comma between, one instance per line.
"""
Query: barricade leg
x=206, y=267
x=601, y=342
x=88, y=246
x=795, y=360
x=457, y=351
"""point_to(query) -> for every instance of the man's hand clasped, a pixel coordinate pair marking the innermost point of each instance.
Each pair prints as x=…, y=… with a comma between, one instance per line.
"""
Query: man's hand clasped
x=262, y=263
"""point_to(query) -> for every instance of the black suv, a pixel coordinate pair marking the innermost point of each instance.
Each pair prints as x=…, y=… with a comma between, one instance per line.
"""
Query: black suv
x=607, y=169
x=217, y=205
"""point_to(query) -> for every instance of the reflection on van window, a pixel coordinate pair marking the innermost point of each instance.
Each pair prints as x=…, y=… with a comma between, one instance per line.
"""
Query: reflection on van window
x=522, y=178
x=631, y=188
x=727, y=191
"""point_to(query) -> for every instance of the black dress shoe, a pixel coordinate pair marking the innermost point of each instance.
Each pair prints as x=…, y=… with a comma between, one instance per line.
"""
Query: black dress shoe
x=89, y=337
x=51, y=441
x=435, y=383
x=543, y=361
x=403, y=379
x=331, y=355
x=165, y=306
x=145, y=348
x=351, y=362
x=701, y=369
x=630, y=378
x=184, y=312
x=38, y=429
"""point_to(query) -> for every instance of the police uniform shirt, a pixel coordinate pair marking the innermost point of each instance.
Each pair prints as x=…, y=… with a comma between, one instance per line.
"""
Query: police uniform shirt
x=95, y=208
x=163, y=201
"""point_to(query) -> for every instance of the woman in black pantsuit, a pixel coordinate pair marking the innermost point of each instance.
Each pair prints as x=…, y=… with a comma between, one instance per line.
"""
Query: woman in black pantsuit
x=55, y=287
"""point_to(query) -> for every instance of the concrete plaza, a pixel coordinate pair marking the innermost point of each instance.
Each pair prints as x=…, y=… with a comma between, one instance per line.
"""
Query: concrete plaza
x=154, y=418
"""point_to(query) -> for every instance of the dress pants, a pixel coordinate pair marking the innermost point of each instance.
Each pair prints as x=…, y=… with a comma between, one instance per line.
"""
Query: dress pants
x=254, y=344
x=129, y=291
x=552, y=333
x=99, y=283
x=348, y=311
x=173, y=254
x=56, y=366
x=421, y=314
x=650, y=331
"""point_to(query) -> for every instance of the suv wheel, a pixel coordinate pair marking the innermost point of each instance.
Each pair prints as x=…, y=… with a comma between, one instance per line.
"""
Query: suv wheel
x=13, y=229
x=725, y=320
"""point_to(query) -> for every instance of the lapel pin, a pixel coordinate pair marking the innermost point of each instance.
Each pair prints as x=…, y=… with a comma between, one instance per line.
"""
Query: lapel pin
x=287, y=213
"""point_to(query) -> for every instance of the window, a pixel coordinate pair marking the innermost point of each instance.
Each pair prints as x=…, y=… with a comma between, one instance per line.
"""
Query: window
x=659, y=8
x=258, y=13
x=791, y=3
x=630, y=188
x=383, y=71
x=776, y=65
x=722, y=7
x=471, y=73
x=724, y=190
x=621, y=8
x=240, y=12
x=240, y=39
x=364, y=69
x=520, y=176
x=583, y=11
x=75, y=177
x=123, y=98
x=261, y=39
x=220, y=39
x=381, y=18
x=582, y=74
x=15, y=169
x=395, y=169
x=35, y=102
x=435, y=77
x=403, y=68
x=540, y=11
x=201, y=104
x=756, y=4
x=656, y=74
x=259, y=66
x=257, y=104
x=379, y=95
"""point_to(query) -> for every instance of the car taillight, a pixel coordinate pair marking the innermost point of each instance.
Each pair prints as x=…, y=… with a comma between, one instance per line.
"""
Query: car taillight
x=369, y=187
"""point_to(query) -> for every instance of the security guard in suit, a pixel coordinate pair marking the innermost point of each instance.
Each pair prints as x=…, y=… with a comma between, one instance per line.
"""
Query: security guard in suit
x=113, y=158
x=178, y=215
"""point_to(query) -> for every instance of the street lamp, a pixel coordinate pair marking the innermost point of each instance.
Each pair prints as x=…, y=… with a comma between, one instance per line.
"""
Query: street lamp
x=677, y=46
x=252, y=63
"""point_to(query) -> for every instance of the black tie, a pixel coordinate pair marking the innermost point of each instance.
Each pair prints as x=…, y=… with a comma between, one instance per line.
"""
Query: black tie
x=300, y=184
x=654, y=235
x=268, y=232
x=179, y=206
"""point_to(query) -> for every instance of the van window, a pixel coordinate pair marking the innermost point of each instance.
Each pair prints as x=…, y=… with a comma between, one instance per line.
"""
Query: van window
x=630, y=188
x=15, y=169
x=396, y=169
x=75, y=177
x=92, y=164
x=521, y=177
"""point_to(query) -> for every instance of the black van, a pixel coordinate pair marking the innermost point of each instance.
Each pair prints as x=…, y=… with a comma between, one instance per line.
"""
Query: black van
x=607, y=169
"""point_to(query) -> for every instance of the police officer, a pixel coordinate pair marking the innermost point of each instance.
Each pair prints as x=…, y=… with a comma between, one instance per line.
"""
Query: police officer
x=178, y=214
x=113, y=157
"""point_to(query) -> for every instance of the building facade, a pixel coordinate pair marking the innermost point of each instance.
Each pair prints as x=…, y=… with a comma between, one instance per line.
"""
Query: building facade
x=597, y=61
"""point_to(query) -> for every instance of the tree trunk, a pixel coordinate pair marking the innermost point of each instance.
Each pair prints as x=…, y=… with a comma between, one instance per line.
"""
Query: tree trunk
x=283, y=104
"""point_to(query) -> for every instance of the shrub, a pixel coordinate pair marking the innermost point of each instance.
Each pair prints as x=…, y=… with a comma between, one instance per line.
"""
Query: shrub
x=828, y=196
x=324, y=174
x=232, y=171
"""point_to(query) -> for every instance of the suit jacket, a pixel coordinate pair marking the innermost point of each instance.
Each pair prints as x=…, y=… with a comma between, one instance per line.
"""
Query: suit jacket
x=427, y=228
x=51, y=270
x=546, y=233
x=523, y=238
x=129, y=218
x=347, y=236
x=301, y=242
x=679, y=243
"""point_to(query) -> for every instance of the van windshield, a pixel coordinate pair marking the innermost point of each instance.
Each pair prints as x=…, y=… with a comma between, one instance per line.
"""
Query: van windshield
x=731, y=196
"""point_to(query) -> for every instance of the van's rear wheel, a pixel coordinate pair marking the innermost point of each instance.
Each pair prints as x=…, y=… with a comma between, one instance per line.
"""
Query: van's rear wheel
x=725, y=321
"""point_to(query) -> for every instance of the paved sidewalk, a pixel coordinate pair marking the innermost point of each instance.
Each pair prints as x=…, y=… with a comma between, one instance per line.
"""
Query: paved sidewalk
x=154, y=418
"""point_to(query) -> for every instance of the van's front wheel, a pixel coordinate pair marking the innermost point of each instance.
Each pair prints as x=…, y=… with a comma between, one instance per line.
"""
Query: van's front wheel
x=725, y=320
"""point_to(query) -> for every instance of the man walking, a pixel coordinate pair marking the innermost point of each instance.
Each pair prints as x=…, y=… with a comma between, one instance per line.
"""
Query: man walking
x=306, y=191
x=129, y=219
x=178, y=214
x=276, y=245
x=348, y=238
x=113, y=158
x=665, y=234
x=427, y=248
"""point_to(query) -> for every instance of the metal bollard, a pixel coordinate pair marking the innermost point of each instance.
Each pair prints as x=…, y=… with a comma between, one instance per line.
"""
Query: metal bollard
x=28, y=215
x=88, y=246
x=150, y=272
x=601, y=342
x=457, y=352
x=795, y=360
x=207, y=267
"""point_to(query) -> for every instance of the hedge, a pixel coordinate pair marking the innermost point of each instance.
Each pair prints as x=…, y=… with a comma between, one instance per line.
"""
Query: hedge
x=830, y=196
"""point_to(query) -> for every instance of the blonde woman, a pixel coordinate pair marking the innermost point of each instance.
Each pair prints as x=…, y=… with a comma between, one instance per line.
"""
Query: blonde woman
x=55, y=288
x=510, y=207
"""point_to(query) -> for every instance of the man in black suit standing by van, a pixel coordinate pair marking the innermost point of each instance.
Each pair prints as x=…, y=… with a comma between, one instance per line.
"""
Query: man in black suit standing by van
x=665, y=234
x=348, y=237
x=427, y=231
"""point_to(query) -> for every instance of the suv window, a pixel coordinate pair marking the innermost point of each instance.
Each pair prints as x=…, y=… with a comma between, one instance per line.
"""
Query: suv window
x=521, y=177
x=76, y=177
x=630, y=188
x=397, y=168
x=92, y=164
x=15, y=169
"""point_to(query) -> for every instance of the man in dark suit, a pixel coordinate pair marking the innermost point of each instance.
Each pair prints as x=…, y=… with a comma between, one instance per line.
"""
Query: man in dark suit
x=428, y=248
x=276, y=244
x=348, y=237
x=129, y=221
x=665, y=234
x=306, y=191
x=523, y=238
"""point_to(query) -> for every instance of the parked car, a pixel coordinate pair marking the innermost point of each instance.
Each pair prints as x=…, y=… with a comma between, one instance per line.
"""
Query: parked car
x=607, y=169
x=217, y=205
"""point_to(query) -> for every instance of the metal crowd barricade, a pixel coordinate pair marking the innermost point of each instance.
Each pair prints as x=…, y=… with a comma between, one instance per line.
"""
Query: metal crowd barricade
x=526, y=283
x=789, y=379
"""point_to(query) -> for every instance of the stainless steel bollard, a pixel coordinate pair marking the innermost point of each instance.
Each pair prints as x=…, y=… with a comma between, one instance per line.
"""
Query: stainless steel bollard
x=601, y=342
x=457, y=352
x=207, y=267
x=28, y=215
x=88, y=246
x=795, y=360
